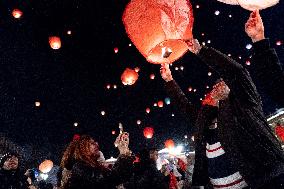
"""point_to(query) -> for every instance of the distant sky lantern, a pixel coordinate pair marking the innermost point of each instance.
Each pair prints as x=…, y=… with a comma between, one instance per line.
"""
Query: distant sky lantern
x=155, y=104
x=103, y=113
x=248, y=62
x=75, y=124
x=209, y=73
x=115, y=86
x=17, y=13
x=113, y=132
x=148, y=132
x=138, y=122
x=115, y=50
x=189, y=89
x=69, y=32
x=55, y=42
x=108, y=86
x=129, y=76
x=37, y=104
x=152, y=76
x=46, y=166
x=161, y=104
x=278, y=43
x=148, y=110
x=137, y=69
x=169, y=144
x=158, y=28
x=168, y=101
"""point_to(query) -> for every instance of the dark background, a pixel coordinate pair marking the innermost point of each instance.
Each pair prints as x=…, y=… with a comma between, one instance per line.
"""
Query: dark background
x=71, y=82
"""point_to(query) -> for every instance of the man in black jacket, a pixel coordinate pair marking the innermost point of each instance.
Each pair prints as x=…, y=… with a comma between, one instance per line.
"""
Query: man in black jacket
x=247, y=140
x=266, y=67
x=10, y=176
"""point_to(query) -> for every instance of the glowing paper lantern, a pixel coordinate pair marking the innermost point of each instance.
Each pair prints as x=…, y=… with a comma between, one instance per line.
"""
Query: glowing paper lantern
x=148, y=132
x=17, y=13
x=45, y=166
x=113, y=132
x=161, y=104
x=189, y=89
x=115, y=50
x=37, y=104
x=137, y=69
x=148, y=110
x=75, y=124
x=168, y=101
x=278, y=43
x=103, y=113
x=129, y=77
x=169, y=144
x=158, y=28
x=252, y=5
x=55, y=42
x=138, y=122
x=152, y=76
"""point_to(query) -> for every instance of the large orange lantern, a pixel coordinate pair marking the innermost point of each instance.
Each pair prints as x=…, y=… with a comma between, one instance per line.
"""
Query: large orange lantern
x=17, y=13
x=148, y=132
x=170, y=144
x=55, y=42
x=158, y=28
x=46, y=166
x=129, y=77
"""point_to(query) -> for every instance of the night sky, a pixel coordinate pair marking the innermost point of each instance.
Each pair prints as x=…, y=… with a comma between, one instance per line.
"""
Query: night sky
x=71, y=82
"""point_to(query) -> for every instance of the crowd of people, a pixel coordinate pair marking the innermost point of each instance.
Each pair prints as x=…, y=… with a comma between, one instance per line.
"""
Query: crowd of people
x=235, y=147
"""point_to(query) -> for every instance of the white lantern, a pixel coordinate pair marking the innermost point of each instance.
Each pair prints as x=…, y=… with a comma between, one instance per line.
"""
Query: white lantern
x=252, y=5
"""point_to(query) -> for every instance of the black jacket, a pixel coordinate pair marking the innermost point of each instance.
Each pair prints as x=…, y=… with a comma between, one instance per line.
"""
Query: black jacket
x=146, y=176
x=87, y=177
x=267, y=70
x=13, y=180
x=243, y=130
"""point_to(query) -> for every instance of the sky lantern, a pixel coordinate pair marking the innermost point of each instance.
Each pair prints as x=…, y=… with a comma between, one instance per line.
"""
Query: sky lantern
x=138, y=122
x=37, y=104
x=17, y=13
x=45, y=166
x=137, y=69
x=152, y=76
x=103, y=113
x=158, y=28
x=169, y=144
x=167, y=101
x=278, y=43
x=148, y=110
x=115, y=50
x=113, y=132
x=76, y=124
x=189, y=89
x=252, y=5
x=148, y=132
x=129, y=76
x=160, y=104
x=55, y=42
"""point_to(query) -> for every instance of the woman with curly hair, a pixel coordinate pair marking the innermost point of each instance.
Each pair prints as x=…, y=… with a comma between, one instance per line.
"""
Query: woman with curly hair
x=81, y=157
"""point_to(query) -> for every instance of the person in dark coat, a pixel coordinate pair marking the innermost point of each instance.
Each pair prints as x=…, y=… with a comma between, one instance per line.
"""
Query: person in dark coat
x=88, y=173
x=243, y=141
x=266, y=67
x=145, y=173
x=10, y=175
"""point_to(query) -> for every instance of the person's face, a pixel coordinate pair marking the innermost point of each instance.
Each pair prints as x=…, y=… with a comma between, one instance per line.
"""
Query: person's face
x=11, y=163
x=154, y=155
x=94, y=147
x=220, y=91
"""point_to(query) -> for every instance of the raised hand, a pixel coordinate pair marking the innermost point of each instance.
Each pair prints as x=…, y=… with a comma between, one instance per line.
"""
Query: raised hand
x=193, y=45
x=254, y=27
x=166, y=72
x=122, y=142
